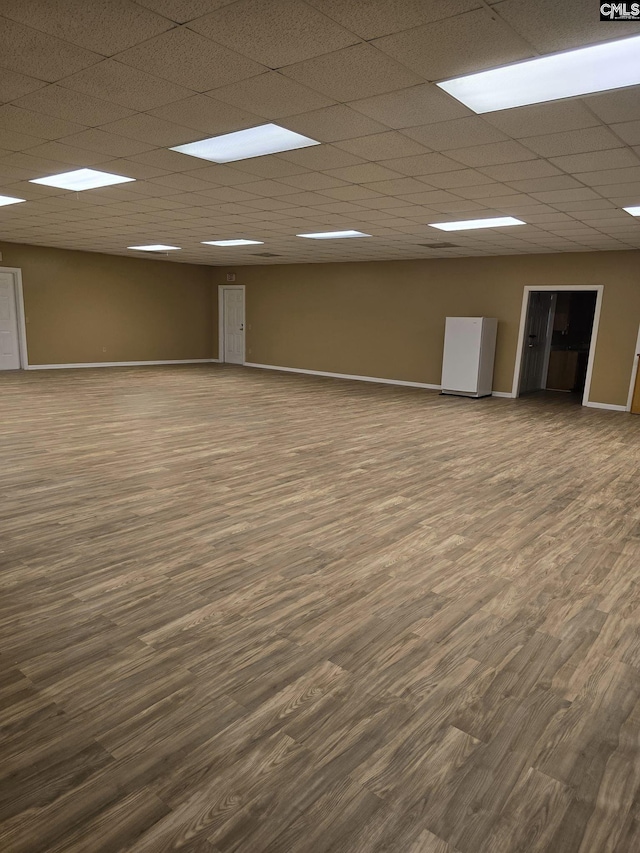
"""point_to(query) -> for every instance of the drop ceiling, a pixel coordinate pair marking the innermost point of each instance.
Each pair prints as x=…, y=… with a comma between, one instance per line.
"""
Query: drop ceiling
x=112, y=86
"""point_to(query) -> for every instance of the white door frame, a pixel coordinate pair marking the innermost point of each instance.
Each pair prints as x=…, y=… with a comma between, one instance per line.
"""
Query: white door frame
x=22, y=326
x=599, y=288
x=634, y=373
x=221, y=329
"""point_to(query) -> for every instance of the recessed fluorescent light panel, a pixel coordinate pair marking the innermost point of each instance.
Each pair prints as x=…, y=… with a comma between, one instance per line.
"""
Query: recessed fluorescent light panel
x=469, y=224
x=598, y=68
x=9, y=199
x=634, y=211
x=82, y=179
x=333, y=235
x=233, y=242
x=156, y=247
x=253, y=142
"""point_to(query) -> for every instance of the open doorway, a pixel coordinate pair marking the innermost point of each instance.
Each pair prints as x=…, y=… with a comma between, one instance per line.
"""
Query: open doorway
x=556, y=346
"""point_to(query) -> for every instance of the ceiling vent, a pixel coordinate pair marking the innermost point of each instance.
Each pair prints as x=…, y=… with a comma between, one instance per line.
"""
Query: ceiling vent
x=439, y=245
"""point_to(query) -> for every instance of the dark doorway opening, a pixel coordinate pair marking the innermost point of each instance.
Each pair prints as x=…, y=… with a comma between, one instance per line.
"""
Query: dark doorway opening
x=557, y=341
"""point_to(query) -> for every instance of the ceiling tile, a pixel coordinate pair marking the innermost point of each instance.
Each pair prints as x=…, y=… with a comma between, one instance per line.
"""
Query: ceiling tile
x=611, y=176
x=322, y=157
x=332, y=124
x=270, y=166
x=628, y=131
x=552, y=26
x=558, y=182
x=619, y=105
x=382, y=146
x=14, y=85
x=373, y=18
x=521, y=171
x=593, y=161
x=182, y=11
x=127, y=86
x=218, y=173
x=268, y=188
x=359, y=71
x=422, y=164
x=411, y=107
x=29, y=52
x=36, y=124
x=572, y=142
x=106, y=143
x=65, y=104
x=156, y=132
x=365, y=173
x=430, y=197
x=106, y=28
x=276, y=33
x=459, y=133
x=172, y=161
x=207, y=115
x=317, y=181
x=491, y=191
x=433, y=50
x=552, y=196
x=459, y=178
x=352, y=192
x=271, y=95
x=537, y=119
x=131, y=169
x=190, y=60
x=12, y=141
x=66, y=154
x=396, y=186
x=493, y=154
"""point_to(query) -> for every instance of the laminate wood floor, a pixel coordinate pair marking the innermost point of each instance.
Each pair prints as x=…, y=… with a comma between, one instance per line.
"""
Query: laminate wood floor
x=248, y=611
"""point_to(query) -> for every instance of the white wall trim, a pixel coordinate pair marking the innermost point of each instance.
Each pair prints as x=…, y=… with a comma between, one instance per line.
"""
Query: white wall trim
x=344, y=376
x=506, y=394
x=634, y=373
x=121, y=363
x=221, y=290
x=611, y=407
x=599, y=288
x=22, y=325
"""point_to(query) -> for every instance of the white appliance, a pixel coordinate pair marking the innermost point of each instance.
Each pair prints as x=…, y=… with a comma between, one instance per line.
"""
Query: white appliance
x=469, y=351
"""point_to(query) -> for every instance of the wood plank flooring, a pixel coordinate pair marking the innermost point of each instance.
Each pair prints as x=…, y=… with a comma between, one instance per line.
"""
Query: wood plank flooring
x=247, y=611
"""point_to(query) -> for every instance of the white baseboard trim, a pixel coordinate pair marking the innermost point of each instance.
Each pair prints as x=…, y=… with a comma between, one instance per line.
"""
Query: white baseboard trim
x=506, y=394
x=610, y=407
x=344, y=376
x=120, y=363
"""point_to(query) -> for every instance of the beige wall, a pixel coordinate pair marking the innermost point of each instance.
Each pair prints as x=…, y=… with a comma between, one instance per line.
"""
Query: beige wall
x=386, y=319
x=78, y=303
x=383, y=319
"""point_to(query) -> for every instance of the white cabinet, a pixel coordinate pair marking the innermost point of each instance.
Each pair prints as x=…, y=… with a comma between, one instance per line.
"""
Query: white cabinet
x=469, y=351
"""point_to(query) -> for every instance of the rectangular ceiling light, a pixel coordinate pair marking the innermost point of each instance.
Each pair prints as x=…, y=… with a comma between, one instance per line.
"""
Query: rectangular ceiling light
x=233, y=242
x=243, y=144
x=9, y=199
x=469, y=224
x=634, y=211
x=333, y=235
x=155, y=247
x=82, y=179
x=597, y=68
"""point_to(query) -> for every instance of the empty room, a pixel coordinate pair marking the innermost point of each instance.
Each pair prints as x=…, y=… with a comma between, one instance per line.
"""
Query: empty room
x=319, y=426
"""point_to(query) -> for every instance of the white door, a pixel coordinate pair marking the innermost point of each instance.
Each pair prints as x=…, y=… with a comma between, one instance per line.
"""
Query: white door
x=537, y=340
x=9, y=350
x=234, y=325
